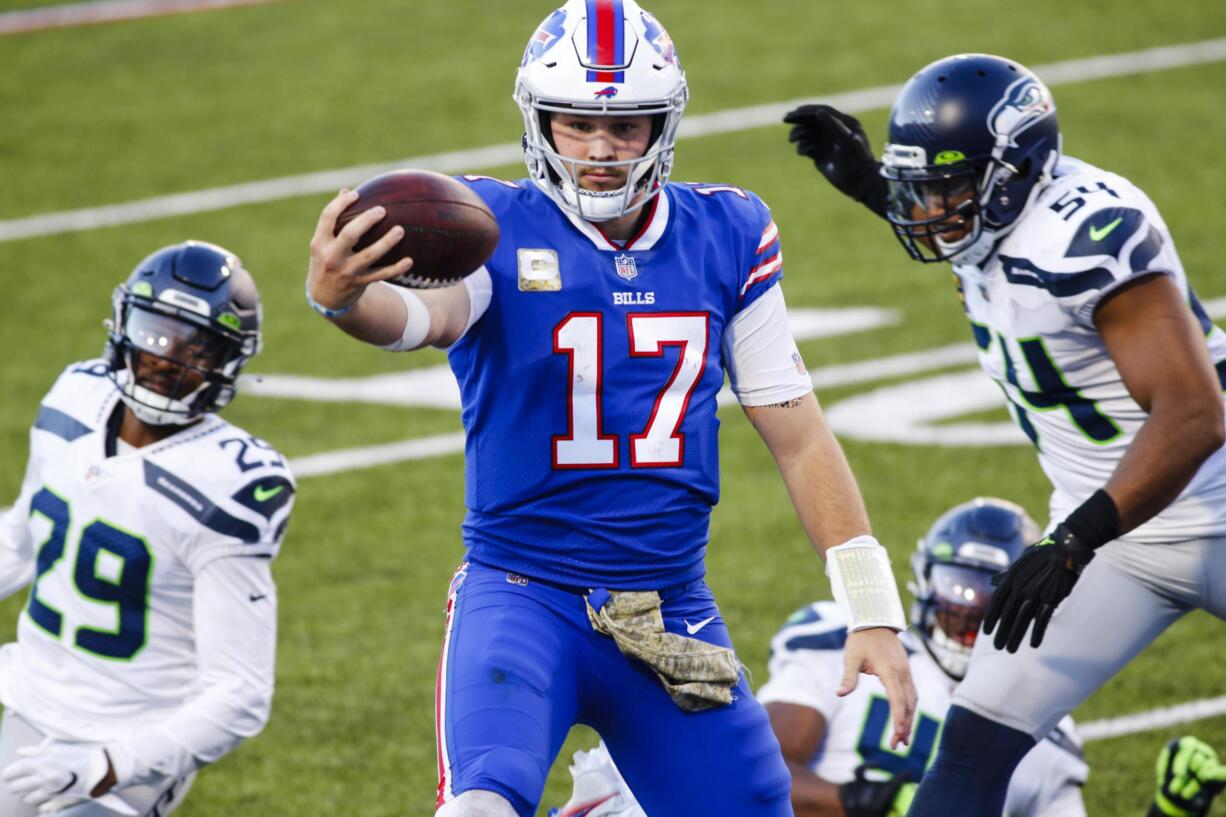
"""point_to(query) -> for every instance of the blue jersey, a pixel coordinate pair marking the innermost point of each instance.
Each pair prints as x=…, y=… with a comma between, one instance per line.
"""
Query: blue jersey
x=589, y=385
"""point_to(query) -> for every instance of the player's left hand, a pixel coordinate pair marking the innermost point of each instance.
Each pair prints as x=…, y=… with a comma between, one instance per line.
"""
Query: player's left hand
x=58, y=771
x=877, y=651
x=1189, y=777
x=838, y=146
x=1032, y=588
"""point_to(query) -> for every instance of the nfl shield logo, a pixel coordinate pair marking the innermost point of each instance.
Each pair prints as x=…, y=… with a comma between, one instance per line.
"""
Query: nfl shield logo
x=626, y=267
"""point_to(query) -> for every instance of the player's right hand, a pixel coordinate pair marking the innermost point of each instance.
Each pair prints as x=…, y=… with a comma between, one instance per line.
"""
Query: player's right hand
x=1189, y=777
x=838, y=146
x=862, y=797
x=336, y=275
x=877, y=651
x=55, y=770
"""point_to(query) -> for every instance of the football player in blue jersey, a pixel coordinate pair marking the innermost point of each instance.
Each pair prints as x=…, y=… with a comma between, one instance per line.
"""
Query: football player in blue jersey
x=1083, y=314
x=589, y=352
x=145, y=528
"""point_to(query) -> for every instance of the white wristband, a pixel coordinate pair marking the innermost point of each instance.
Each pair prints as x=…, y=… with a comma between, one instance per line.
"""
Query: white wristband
x=416, y=322
x=864, y=586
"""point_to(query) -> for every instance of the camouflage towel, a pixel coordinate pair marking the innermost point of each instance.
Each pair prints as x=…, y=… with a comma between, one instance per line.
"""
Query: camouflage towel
x=696, y=674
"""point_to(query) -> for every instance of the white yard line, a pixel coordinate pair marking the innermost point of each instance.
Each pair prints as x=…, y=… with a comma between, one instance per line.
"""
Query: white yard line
x=352, y=459
x=106, y=11
x=328, y=181
x=1159, y=718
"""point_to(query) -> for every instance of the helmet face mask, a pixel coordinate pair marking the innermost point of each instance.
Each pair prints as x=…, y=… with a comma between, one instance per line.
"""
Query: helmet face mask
x=182, y=327
x=968, y=118
x=953, y=566
x=935, y=214
x=600, y=58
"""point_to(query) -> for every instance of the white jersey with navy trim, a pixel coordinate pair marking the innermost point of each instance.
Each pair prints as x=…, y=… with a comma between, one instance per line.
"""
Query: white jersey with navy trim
x=1031, y=308
x=113, y=546
x=806, y=668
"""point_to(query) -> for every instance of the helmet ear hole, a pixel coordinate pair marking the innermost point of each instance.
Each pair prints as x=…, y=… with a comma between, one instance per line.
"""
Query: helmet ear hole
x=545, y=118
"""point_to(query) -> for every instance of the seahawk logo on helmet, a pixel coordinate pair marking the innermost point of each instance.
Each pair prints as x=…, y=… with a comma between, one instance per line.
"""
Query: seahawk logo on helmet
x=182, y=327
x=573, y=59
x=1024, y=104
x=953, y=566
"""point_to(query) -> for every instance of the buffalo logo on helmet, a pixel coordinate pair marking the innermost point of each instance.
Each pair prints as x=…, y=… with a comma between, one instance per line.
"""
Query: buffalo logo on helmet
x=1024, y=103
x=659, y=39
x=606, y=93
x=545, y=37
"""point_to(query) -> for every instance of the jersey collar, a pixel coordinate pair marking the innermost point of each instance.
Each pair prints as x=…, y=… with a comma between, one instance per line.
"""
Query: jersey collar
x=646, y=238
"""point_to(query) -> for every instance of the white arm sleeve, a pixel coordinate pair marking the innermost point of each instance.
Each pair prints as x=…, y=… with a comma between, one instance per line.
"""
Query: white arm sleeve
x=236, y=632
x=16, y=543
x=480, y=292
x=417, y=320
x=763, y=362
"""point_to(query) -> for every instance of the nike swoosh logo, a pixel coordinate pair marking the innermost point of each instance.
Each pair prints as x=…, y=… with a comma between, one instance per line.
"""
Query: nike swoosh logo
x=1099, y=233
x=264, y=494
x=69, y=784
x=583, y=809
x=694, y=628
x=254, y=597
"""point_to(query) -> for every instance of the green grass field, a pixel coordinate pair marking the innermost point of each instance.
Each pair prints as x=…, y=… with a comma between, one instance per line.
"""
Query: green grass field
x=112, y=113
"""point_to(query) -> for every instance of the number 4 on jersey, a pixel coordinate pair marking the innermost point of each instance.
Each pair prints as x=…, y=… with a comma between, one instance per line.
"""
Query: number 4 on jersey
x=579, y=337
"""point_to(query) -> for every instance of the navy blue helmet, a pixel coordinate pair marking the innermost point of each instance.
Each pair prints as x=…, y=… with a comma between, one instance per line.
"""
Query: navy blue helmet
x=972, y=139
x=182, y=326
x=953, y=567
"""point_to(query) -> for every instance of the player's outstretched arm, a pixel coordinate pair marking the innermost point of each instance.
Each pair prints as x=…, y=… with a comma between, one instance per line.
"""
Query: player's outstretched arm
x=830, y=509
x=1160, y=352
x=346, y=286
x=839, y=148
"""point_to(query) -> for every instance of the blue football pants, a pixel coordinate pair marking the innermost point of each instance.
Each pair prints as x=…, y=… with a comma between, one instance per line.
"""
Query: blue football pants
x=521, y=664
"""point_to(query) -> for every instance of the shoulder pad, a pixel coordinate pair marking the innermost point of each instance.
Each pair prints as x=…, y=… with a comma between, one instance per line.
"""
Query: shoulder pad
x=74, y=404
x=498, y=194
x=228, y=481
x=818, y=626
x=741, y=218
x=744, y=210
x=1087, y=232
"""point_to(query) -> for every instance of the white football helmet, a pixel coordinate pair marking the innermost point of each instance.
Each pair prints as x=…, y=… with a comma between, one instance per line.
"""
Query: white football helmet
x=606, y=58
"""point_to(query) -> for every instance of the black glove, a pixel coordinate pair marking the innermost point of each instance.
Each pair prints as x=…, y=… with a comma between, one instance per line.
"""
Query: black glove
x=837, y=144
x=871, y=798
x=1033, y=586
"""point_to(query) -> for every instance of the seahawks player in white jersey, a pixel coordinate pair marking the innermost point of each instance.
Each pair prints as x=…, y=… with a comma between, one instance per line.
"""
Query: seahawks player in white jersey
x=145, y=528
x=1083, y=314
x=835, y=746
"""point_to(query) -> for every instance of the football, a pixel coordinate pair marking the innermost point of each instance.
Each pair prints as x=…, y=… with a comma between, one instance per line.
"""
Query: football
x=448, y=230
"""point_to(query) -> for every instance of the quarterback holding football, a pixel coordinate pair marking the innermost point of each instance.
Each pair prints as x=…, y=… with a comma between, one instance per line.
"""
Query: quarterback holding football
x=589, y=350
